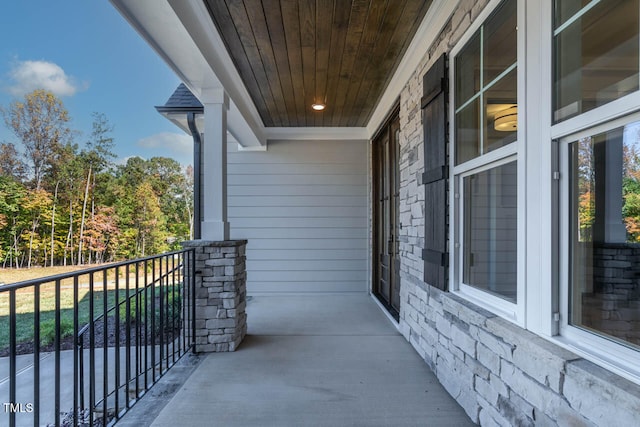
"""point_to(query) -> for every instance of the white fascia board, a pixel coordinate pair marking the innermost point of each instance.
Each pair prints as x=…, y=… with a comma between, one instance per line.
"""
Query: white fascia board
x=180, y=120
x=208, y=44
x=159, y=25
x=242, y=132
x=433, y=22
x=316, y=133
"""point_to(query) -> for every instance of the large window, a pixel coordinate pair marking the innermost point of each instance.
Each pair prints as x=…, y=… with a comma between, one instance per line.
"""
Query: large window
x=485, y=158
x=490, y=250
x=596, y=53
x=605, y=234
x=486, y=87
x=595, y=115
x=545, y=176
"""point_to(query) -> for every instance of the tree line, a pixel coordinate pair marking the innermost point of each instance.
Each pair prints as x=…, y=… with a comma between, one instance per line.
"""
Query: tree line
x=585, y=164
x=66, y=204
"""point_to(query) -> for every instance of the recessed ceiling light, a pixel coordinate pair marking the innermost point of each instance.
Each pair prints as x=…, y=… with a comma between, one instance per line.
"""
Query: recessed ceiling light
x=318, y=107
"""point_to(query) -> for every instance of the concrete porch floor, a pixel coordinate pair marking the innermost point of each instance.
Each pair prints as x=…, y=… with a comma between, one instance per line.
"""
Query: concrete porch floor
x=316, y=360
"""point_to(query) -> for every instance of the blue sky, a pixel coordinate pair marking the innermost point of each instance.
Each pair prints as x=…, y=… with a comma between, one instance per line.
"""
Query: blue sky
x=88, y=55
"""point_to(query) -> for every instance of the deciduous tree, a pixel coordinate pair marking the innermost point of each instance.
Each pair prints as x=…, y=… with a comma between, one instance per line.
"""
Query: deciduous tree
x=12, y=196
x=40, y=122
x=10, y=162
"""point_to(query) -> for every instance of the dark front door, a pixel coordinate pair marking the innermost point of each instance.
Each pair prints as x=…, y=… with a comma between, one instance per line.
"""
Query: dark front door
x=386, y=267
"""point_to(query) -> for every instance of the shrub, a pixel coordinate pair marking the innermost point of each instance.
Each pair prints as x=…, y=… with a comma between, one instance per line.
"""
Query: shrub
x=48, y=330
x=133, y=308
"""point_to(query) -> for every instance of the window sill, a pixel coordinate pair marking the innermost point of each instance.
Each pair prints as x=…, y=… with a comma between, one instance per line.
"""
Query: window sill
x=496, y=305
x=613, y=357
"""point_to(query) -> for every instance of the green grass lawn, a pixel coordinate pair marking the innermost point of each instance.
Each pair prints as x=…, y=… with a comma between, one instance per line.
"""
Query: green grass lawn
x=13, y=275
x=25, y=319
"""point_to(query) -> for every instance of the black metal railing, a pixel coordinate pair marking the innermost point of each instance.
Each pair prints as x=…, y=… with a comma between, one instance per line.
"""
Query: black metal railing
x=83, y=347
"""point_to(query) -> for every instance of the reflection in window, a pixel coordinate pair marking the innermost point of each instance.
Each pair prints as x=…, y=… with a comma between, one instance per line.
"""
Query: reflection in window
x=502, y=117
x=605, y=234
x=490, y=230
x=486, y=84
x=596, y=53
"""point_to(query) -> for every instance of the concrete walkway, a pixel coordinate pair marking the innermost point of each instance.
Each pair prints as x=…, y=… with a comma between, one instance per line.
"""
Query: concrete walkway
x=318, y=360
x=26, y=376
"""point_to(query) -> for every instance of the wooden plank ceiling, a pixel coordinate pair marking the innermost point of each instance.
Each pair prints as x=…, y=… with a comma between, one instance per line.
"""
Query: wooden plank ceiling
x=292, y=54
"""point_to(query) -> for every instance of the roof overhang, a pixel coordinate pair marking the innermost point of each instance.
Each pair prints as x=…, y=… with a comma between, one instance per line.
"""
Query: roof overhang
x=178, y=116
x=182, y=33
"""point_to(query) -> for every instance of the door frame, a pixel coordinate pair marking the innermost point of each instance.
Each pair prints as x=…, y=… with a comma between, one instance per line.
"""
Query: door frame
x=388, y=125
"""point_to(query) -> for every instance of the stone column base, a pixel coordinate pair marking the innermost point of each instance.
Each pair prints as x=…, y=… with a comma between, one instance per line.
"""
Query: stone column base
x=221, y=291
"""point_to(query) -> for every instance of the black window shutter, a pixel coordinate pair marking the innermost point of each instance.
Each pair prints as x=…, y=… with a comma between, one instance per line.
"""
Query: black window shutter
x=435, y=176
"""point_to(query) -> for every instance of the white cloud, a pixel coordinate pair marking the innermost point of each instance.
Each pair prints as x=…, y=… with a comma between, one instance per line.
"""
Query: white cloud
x=30, y=75
x=168, y=144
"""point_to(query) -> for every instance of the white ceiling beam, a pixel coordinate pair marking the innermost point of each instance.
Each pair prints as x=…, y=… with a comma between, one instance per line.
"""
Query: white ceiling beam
x=195, y=18
x=316, y=133
x=159, y=24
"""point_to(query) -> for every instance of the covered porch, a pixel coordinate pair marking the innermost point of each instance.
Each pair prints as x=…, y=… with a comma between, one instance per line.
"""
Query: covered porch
x=325, y=359
x=416, y=151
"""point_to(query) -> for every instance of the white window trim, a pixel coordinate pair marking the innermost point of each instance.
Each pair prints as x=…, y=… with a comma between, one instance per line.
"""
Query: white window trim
x=600, y=117
x=514, y=312
x=543, y=240
x=482, y=162
x=539, y=250
x=493, y=302
x=612, y=355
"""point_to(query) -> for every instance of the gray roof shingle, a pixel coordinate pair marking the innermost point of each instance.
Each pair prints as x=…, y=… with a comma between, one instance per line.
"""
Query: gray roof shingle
x=181, y=100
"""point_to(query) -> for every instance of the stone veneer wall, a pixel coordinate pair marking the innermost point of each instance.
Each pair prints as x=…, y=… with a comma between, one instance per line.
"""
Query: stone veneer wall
x=221, y=291
x=500, y=373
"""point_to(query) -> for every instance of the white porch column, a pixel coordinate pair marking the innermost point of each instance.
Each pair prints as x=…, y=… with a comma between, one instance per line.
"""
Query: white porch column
x=214, y=166
x=609, y=226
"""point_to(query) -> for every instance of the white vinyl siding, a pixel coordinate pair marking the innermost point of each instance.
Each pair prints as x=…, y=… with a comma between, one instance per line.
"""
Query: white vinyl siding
x=302, y=206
